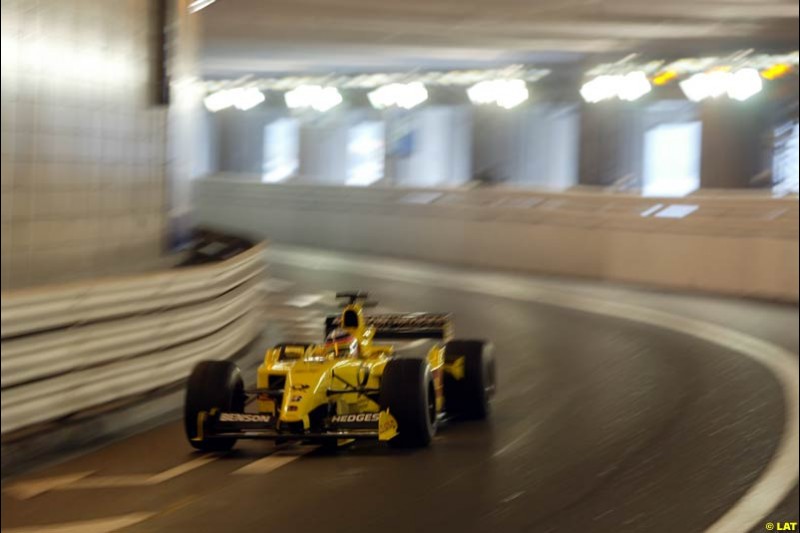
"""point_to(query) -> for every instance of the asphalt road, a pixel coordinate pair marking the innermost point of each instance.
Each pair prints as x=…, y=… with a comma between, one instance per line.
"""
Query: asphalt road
x=600, y=424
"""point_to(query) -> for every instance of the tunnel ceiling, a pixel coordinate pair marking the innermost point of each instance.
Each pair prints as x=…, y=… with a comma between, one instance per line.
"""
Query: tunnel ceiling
x=281, y=36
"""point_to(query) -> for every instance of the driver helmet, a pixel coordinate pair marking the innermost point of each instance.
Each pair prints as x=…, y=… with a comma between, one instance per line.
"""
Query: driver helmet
x=341, y=343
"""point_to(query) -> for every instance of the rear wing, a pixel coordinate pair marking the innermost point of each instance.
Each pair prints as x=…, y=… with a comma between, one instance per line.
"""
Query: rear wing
x=403, y=326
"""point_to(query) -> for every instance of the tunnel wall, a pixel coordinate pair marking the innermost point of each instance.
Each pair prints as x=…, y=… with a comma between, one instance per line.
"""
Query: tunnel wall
x=739, y=245
x=83, y=141
x=535, y=146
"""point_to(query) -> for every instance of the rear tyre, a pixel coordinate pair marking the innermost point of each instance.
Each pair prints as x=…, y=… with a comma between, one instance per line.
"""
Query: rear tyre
x=407, y=391
x=469, y=396
x=212, y=384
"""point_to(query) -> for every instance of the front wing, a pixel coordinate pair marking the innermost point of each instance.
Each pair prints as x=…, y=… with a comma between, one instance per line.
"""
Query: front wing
x=219, y=425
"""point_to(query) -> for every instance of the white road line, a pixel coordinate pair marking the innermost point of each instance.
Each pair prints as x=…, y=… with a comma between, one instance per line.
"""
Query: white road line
x=780, y=474
x=83, y=480
x=273, y=462
x=99, y=525
x=28, y=489
x=108, y=482
x=181, y=469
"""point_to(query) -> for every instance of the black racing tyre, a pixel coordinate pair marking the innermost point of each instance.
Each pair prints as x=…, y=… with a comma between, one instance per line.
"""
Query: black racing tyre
x=469, y=396
x=212, y=384
x=407, y=391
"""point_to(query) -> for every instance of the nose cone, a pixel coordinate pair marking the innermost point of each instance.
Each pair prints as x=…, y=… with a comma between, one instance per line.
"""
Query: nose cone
x=306, y=387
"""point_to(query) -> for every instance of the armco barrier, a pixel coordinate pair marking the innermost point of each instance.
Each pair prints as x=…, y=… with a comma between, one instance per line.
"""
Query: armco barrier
x=74, y=347
x=744, y=245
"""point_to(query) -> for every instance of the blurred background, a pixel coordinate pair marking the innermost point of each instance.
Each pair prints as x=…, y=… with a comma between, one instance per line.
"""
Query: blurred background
x=112, y=113
x=192, y=179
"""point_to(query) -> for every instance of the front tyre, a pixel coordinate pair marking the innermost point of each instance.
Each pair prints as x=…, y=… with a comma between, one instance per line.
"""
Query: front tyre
x=212, y=384
x=407, y=391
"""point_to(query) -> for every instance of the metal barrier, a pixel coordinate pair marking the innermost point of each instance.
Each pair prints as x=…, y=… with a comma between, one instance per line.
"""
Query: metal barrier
x=73, y=347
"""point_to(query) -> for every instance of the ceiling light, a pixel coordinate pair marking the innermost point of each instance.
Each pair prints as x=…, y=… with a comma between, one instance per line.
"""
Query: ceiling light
x=411, y=95
x=633, y=86
x=740, y=85
x=328, y=98
x=695, y=87
x=314, y=96
x=601, y=88
x=248, y=98
x=240, y=98
x=482, y=92
x=744, y=83
x=301, y=96
x=662, y=78
x=219, y=100
x=628, y=87
x=511, y=93
x=383, y=97
x=717, y=82
x=776, y=71
x=504, y=93
x=404, y=95
x=706, y=85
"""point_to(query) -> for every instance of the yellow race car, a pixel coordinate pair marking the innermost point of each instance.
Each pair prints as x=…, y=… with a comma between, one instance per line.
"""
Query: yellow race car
x=352, y=386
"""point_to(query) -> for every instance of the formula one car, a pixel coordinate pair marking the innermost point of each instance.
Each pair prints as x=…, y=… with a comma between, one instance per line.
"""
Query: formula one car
x=349, y=387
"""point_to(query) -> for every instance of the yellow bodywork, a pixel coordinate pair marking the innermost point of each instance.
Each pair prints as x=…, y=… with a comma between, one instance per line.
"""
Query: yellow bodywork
x=311, y=374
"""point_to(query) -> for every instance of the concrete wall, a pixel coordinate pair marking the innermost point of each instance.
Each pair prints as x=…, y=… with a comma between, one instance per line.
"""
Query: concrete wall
x=238, y=137
x=737, y=246
x=612, y=139
x=535, y=146
x=438, y=153
x=737, y=144
x=82, y=142
x=323, y=150
x=187, y=130
x=440, y=143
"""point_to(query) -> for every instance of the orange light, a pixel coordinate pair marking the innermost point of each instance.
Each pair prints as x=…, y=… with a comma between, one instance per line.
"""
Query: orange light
x=662, y=78
x=776, y=71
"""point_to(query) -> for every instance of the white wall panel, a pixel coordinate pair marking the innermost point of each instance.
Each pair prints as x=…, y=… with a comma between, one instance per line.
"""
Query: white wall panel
x=82, y=144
